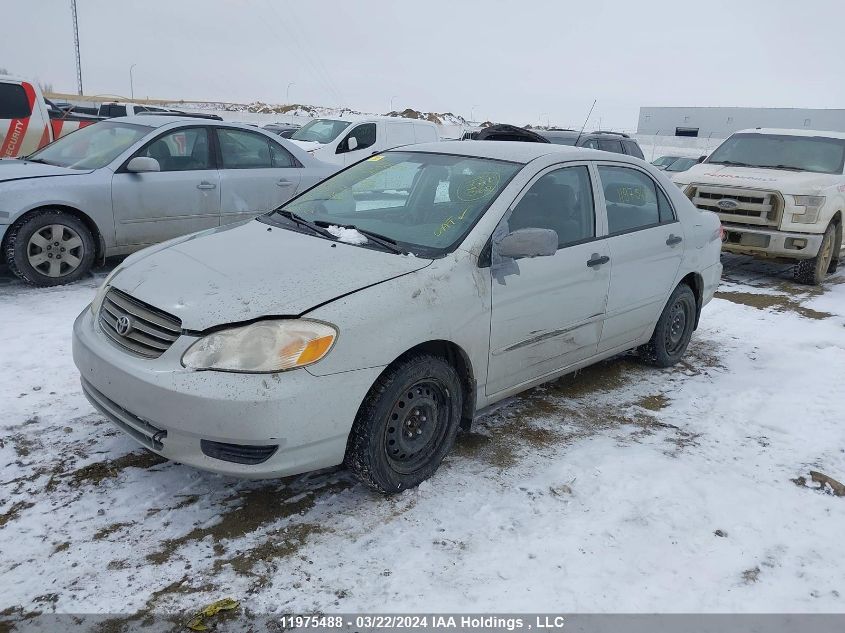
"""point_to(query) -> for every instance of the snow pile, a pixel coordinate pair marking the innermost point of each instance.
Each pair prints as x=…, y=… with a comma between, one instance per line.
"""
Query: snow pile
x=347, y=236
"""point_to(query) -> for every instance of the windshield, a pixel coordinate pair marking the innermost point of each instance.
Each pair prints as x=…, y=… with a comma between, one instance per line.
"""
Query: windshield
x=781, y=151
x=663, y=161
x=320, y=130
x=92, y=147
x=682, y=164
x=426, y=203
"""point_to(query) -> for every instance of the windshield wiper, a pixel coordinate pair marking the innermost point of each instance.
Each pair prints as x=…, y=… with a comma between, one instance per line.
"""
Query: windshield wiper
x=378, y=238
x=731, y=163
x=300, y=221
x=35, y=160
x=786, y=167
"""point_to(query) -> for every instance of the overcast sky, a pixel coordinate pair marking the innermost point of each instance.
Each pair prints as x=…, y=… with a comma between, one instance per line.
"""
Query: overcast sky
x=509, y=61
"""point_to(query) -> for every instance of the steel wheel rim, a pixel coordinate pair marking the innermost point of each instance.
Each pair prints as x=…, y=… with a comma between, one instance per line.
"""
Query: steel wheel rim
x=678, y=318
x=416, y=425
x=55, y=250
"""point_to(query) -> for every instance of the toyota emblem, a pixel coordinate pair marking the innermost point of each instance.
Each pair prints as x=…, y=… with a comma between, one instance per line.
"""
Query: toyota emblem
x=123, y=326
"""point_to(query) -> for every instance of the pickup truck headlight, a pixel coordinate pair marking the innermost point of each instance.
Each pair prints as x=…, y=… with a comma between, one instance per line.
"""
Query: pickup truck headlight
x=812, y=205
x=262, y=347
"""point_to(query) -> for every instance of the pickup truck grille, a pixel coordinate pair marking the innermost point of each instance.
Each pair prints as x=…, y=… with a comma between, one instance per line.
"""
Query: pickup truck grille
x=746, y=206
x=150, y=331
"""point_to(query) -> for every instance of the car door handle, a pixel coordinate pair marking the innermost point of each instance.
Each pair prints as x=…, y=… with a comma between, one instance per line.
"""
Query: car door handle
x=672, y=240
x=206, y=185
x=284, y=183
x=597, y=260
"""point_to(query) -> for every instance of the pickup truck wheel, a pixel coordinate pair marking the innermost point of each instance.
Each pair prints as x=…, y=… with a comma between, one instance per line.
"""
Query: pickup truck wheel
x=812, y=271
x=50, y=248
x=673, y=330
x=406, y=424
x=837, y=250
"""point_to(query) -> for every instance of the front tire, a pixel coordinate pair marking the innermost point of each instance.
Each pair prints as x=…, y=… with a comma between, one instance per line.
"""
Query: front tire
x=812, y=271
x=673, y=331
x=406, y=424
x=50, y=248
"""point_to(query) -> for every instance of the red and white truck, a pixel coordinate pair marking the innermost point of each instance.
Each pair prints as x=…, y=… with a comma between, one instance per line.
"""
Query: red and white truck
x=28, y=121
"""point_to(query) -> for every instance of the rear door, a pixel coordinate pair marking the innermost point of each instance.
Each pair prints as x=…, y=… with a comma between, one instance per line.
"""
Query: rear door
x=181, y=198
x=256, y=174
x=646, y=248
x=399, y=134
x=23, y=120
x=547, y=312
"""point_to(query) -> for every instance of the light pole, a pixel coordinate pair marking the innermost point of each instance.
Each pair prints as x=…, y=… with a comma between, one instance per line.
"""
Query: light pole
x=132, y=83
x=472, y=113
x=391, y=102
x=287, y=92
x=540, y=119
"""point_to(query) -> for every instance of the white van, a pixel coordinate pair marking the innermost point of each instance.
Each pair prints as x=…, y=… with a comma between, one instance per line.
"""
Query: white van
x=346, y=142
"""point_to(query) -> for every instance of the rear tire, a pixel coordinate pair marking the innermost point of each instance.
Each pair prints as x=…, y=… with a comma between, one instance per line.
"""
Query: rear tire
x=673, y=331
x=50, y=248
x=812, y=271
x=406, y=424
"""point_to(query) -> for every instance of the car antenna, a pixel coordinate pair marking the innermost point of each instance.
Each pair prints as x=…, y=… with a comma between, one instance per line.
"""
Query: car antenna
x=585, y=121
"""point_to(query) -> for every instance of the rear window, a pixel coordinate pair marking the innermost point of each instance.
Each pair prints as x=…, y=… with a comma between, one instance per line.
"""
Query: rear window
x=13, y=102
x=633, y=149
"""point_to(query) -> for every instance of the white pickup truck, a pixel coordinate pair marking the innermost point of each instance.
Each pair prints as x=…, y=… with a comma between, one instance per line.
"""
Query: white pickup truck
x=779, y=194
x=28, y=121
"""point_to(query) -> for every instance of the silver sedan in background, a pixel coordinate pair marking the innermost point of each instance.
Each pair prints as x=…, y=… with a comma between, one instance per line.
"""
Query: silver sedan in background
x=123, y=184
x=367, y=319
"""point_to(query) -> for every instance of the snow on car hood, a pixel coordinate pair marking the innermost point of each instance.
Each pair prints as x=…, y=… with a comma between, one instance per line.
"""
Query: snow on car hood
x=17, y=169
x=254, y=270
x=785, y=181
x=308, y=146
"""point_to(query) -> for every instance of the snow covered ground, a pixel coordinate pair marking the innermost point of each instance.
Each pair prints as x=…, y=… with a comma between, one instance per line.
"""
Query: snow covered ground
x=620, y=489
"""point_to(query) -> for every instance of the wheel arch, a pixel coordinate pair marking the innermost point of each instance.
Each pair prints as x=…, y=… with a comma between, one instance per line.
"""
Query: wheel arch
x=99, y=241
x=696, y=283
x=456, y=356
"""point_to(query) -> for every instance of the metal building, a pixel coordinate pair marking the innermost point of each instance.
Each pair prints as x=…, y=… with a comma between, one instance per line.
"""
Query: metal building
x=722, y=122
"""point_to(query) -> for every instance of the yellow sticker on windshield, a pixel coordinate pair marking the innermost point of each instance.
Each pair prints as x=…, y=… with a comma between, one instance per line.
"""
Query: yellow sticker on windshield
x=373, y=158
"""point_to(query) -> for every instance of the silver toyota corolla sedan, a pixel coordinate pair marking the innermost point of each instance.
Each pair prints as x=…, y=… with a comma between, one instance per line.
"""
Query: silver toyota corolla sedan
x=367, y=319
x=120, y=185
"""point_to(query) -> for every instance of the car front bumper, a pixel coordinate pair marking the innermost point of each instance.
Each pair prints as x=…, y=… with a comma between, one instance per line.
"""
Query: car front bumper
x=770, y=242
x=171, y=409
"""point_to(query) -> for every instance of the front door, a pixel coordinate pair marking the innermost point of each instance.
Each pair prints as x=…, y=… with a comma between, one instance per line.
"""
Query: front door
x=646, y=247
x=365, y=135
x=547, y=312
x=257, y=174
x=182, y=198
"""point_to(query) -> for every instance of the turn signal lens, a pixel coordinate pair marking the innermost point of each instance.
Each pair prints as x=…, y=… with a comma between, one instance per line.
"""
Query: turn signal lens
x=262, y=347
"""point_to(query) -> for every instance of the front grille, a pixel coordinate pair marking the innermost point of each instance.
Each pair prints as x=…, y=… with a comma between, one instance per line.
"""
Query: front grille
x=142, y=431
x=150, y=332
x=762, y=208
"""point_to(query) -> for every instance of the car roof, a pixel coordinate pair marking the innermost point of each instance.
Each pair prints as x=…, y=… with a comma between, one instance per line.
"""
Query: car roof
x=160, y=120
x=514, y=151
x=792, y=132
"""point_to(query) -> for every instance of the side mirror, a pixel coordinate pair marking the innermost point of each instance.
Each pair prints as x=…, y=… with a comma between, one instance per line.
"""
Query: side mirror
x=142, y=164
x=701, y=159
x=528, y=243
x=352, y=143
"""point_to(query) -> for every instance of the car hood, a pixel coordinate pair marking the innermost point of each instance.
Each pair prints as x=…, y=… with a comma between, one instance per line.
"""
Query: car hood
x=785, y=181
x=308, y=146
x=17, y=169
x=254, y=270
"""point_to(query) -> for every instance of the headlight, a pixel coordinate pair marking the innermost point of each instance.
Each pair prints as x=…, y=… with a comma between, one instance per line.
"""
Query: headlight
x=97, y=303
x=262, y=347
x=812, y=205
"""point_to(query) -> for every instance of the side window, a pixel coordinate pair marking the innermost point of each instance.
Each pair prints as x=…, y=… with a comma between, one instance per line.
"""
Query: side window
x=244, y=150
x=611, y=146
x=365, y=134
x=592, y=144
x=13, y=102
x=633, y=149
x=185, y=149
x=280, y=157
x=633, y=199
x=561, y=200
